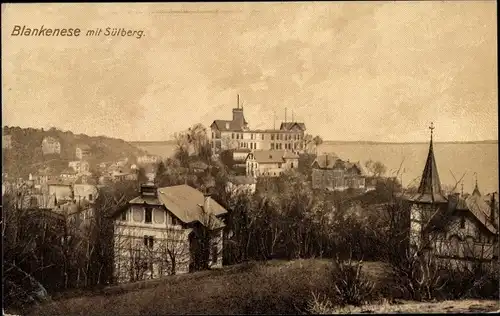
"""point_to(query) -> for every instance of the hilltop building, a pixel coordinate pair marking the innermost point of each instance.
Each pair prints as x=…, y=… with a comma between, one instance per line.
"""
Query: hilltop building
x=329, y=172
x=50, y=145
x=236, y=134
x=456, y=229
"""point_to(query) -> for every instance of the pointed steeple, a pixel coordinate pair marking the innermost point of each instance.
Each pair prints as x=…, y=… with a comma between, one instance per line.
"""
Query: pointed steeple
x=476, y=188
x=430, y=187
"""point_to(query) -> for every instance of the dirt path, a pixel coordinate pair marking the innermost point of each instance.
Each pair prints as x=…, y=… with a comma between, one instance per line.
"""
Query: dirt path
x=462, y=306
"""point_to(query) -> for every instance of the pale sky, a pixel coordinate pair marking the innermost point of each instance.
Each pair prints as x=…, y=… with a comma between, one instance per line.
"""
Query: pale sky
x=378, y=71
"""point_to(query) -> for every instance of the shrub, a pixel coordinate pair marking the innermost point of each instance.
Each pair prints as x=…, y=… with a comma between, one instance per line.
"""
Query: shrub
x=350, y=284
x=319, y=305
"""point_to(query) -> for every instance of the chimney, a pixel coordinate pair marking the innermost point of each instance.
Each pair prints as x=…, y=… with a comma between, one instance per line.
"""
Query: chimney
x=206, y=202
x=238, y=115
x=149, y=190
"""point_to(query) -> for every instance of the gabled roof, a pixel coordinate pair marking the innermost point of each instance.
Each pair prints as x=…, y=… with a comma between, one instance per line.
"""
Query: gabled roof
x=429, y=190
x=325, y=161
x=289, y=125
x=185, y=203
x=226, y=125
x=272, y=156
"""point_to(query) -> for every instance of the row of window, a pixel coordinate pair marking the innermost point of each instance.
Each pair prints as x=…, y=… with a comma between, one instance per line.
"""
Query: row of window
x=145, y=215
x=256, y=136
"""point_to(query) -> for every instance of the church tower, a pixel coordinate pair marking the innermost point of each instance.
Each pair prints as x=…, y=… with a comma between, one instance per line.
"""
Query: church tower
x=427, y=202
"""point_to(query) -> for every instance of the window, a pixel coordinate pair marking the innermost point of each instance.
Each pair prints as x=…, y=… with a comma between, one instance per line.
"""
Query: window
x=149, y=241
x=148, y=215
x=124, y=216
x=237, y=136
x=272, y=146
x=232, y=135
x=262, y=136
x=272, y=136
x=279, y=165
x=90, y=197
x=291, y=165
x=462, y=222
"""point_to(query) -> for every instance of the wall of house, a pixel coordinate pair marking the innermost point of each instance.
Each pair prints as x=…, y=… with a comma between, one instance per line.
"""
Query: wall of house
x=60, y=191
x=336, y=179
x=240, y=188
x=419, y=216
x=258, y=140
x=51, y=147
x=464, y=238
x=136, y=260
x=85, y=191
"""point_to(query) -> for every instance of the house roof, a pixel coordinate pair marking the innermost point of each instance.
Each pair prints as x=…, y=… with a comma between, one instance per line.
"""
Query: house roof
x=242, y=150
x=83, y=147
x=226, y=125
x=429, y=190
x=150, y=200
x=184, y=202
x=198, y=165
x=59, y=182
x=272, y=156
x=325, y=161
x=289, y=125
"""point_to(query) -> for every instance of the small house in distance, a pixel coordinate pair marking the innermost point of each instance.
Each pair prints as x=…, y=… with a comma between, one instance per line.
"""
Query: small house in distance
x=50, y=145
x=165, y=231
x=329, y=172
x=270, y=163
x=82, y=152
x=241, y=184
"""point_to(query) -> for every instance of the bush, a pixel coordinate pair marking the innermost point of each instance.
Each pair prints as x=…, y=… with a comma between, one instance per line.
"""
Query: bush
x=350, y=284
x=479, y=283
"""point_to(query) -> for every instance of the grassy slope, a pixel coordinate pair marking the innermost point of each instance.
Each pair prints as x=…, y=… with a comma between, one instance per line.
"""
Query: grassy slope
x=279, y=287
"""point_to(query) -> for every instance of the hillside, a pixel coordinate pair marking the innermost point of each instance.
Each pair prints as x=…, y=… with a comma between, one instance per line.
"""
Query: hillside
x=26, y=154
x=273, y=287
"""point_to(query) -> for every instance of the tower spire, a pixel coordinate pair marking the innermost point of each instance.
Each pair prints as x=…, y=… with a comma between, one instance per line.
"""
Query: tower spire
x=238, y=101
x=430, y=186
x=476, y=187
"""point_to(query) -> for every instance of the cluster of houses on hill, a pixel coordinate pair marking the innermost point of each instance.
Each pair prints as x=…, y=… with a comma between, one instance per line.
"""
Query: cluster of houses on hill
x=270, y=152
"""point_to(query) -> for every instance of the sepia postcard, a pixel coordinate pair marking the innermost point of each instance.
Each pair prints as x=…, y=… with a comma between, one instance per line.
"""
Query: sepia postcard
x=250, y=158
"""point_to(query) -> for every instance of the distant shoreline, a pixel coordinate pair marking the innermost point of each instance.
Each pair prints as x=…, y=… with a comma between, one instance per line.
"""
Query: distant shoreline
x=343, y=142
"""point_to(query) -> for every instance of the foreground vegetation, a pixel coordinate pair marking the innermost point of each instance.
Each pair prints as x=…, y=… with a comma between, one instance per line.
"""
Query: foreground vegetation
x=272, y=287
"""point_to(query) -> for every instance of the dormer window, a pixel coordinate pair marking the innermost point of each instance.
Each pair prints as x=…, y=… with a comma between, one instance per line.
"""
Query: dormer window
x=148, y=215
x=124, y=216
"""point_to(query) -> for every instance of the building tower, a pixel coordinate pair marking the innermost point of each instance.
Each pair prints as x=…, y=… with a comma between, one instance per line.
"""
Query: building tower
x=427, y=202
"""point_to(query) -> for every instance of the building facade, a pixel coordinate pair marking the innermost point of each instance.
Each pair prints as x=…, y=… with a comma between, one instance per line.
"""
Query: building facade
x=270, y=163
x=50, y=145
x=148, y=159
x=236, y=134
x=6, y=141
x=331, y=173
x=161, y=233
x=459, y=230
x=79, y=166
x=82, y=152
